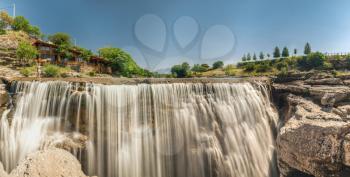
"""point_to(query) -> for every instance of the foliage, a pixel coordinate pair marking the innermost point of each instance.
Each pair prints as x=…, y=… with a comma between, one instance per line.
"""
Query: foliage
x=85, y=54
x=51, y=71
x=295, y=51
x=285, y=52
x=249, y=57
x=263, y=67
x=244, y=58
x=307, y=49
x=198, y=68
x=249, y=67
x=230, y=70
x=60, y=39
x=28, y=71
x=34, y=31
x=206, y=66
x=121, y=62
x=276, y=53
x=20, y=24
x=92, y=73
x=254, y=57
x=218, y=64
x=6, y=19
x=26, y=52
x=181, y=71
x=312, y=61
x=261, y=56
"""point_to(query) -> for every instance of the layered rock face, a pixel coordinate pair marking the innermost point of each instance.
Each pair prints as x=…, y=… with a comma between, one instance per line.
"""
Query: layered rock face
x=314, y=138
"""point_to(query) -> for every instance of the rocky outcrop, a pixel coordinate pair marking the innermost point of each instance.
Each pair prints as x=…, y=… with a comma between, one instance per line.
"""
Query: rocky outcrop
x=49, y=163
x=314, y=139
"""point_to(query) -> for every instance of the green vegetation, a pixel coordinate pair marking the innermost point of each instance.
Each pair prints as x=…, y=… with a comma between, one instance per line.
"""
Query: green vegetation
x=26, y=53
x=181, y=71
x=51, y=71
x=220, y=64
x=28, y=71
x=276, y=53
x=307, y=49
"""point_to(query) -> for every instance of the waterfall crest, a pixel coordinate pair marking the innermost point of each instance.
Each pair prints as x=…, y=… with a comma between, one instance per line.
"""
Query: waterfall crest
x=148, y=130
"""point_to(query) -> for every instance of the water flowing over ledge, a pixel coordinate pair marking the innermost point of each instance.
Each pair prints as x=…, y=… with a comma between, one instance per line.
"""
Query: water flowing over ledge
x=161, y=129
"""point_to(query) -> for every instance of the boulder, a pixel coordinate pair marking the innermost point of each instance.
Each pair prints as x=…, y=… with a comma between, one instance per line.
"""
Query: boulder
x=49, y=163
x=311, y=140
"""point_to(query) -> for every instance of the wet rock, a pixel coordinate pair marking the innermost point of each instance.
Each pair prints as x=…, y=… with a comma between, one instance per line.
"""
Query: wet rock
x=4, y=96
x=66, y=141
x=49, y=163
x=325, y=81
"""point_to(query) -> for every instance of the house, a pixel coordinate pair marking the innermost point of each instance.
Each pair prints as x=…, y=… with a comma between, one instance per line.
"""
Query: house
x=48, y=54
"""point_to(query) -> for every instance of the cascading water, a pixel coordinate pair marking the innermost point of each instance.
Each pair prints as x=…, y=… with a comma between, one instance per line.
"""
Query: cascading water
x=148, y=130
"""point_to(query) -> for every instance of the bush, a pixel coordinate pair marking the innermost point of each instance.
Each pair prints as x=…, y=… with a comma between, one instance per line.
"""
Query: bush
x=230, y=70
x=92, y=73
x=51, y=71
x=28, y=71
x=264, y=67
x=218, y=64
x=249, y=67
x=312, y=61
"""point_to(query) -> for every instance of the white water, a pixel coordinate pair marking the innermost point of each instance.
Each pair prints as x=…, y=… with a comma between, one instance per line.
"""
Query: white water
x=157, y=130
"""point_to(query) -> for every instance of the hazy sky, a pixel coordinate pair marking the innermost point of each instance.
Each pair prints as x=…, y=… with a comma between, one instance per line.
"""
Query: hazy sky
x=159, y=33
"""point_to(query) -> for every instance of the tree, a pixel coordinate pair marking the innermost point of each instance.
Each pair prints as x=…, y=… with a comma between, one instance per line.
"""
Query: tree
x=198, y=68
x=261, y=56
x=254, y=57
x=268, y=55
x=20, y=24
x=295, y=51
x=85, y=54
x=26, y=52
x=6, y=19
x=244, y=58
x=60, y=39
x=276, y=53
x=285, y=52
x=34, y=31
x=121, y=62
x=307, y=49
x=249, y=57
x=206, y=66
x=218, y=64
x=181, y=71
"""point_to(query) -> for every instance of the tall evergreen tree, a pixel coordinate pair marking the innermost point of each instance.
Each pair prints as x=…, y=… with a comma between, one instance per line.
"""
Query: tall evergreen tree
x=295, y=51
x=249, y=57
x=244, y=58
x=268, y=55
x=254, y=57
x=285, y=52
x=307, y=49
x=261, y=56
x=276, y=53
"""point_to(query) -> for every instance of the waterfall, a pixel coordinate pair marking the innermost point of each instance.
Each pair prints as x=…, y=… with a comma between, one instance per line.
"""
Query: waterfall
x=148, y=130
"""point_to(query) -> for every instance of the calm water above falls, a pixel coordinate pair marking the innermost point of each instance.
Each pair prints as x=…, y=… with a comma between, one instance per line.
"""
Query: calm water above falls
x=148, y=130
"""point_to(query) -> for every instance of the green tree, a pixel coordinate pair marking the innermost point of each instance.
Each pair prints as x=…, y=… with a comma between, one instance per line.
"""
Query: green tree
x=181, y=71
x=206, y=66
x=6, y=19
x=276, y=53
x=261, y=56
x=198, y=68
x=20, y=24
x=34, y=31
x=85, y=54
x=295, y=51
x=218, y=64
x=26, y=52
x=307, y=49
x=285, y=52
x=249, y=57
x=244, y=58
x=254, y=57
x=268, y=55
x=121, y=62
x=61, y=39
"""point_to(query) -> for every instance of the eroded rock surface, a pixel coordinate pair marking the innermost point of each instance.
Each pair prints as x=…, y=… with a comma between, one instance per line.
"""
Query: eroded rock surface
x=49, y=163
x=314, y=139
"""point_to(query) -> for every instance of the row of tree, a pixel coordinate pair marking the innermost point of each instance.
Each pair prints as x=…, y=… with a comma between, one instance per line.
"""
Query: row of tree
x=276, y=53
x=185, y=70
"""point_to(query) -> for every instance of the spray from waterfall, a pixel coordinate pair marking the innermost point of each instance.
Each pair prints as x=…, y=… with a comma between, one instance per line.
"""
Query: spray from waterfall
x=148, y=130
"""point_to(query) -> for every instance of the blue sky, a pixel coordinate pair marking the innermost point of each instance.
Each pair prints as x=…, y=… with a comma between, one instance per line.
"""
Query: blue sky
x=159, y=33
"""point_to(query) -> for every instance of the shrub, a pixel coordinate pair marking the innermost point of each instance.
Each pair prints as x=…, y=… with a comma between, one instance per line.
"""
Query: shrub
x=51, y=71
x=92, y=73
x=249, y=67
x=218, y=64
x=230, y=70
x=27, y=71
x=264, y=67
x=316, y=60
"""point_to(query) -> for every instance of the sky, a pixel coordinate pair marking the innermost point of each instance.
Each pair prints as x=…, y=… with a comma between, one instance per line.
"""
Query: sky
x=161, y=33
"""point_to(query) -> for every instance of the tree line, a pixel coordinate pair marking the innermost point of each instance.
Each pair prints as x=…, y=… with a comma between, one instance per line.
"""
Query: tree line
x=276, y=53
